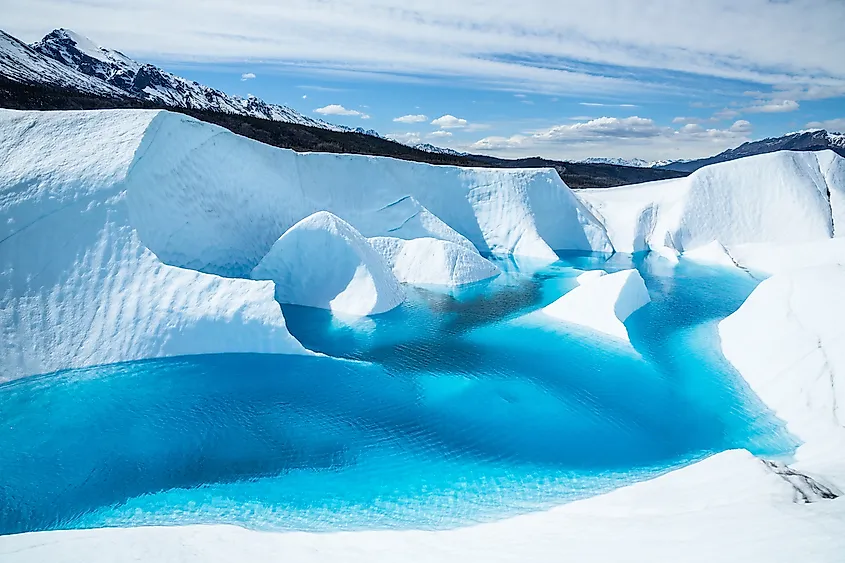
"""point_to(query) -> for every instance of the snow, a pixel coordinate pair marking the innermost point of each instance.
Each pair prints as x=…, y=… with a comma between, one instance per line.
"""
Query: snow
x=769, y=259
x=322, y=261
x=787, y=342
x=779, y=198
x=127, y=239
x=20, y=63
x=728, y=507
x=589, y=276
x=429, y=261
x=602, y=302
x=713, y=253
x=80, y=287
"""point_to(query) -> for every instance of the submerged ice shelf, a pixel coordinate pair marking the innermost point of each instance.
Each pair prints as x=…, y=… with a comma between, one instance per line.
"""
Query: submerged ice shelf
x=441, y=412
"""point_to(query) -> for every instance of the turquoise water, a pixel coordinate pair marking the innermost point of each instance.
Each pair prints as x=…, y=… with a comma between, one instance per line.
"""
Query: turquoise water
x=446, y=411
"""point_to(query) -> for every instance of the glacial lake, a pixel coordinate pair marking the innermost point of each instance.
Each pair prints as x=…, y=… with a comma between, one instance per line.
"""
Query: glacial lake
x=449, y=410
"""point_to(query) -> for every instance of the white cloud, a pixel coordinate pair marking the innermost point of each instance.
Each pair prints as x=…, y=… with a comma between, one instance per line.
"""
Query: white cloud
x=439, y=134
x=834, y=125
x=450, y=122
x=410, y=138
x=687, y=120
x=337, y=109
x=304, y=96
x=419, y=118
x=247, y=76
x=622, y=137
x=499, y=143
x=780, y=106
x=762, y=41
x=597, y=105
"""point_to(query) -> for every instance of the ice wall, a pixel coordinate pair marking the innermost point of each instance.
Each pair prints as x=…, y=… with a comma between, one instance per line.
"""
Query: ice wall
x=779, y=198
x=123, y=233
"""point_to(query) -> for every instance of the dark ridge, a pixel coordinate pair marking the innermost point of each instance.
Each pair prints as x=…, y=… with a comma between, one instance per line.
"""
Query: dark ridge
x=817, y=140
x=303, y=138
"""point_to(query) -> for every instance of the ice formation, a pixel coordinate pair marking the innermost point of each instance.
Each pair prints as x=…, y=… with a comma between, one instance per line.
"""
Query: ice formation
x=602, y=302
x=787, y=341
x=430, y=261
x=135, y=235
x=780, y=198
x=78, y=285
x=714, y=254
x=322, y=261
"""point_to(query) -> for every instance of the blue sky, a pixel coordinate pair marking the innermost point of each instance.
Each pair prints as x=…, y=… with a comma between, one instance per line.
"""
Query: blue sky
x=566, y=79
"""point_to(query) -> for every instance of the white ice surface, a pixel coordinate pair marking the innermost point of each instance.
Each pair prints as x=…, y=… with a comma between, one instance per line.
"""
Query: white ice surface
x=713, y=253
x=602, y=303
x=768, y=259
x=780, y=198
x=430, y=261
x=105, y=216
x=787, y=341
x=322, y=261
x=77, y=285
x=729, y=507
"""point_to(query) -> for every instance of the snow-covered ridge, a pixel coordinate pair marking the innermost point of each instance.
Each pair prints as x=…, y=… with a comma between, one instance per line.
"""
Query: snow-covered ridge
x=136, y=235
x=151, y=83
x=21, y=63
x=631, y=162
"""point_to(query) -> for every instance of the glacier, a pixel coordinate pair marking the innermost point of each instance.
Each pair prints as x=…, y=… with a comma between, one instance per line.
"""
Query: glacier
x=786, y=341
x=778, y=198
x=322, y=261
x=139, y=235
x=153, y=199
x=602, y=302
x=431, y=261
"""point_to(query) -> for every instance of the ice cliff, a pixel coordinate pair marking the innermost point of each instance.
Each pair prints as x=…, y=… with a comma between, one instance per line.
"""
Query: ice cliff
x=131, y=234
x=778, y=198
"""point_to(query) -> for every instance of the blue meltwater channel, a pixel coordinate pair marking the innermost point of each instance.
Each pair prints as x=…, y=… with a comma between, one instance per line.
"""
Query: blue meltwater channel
x=448, y=410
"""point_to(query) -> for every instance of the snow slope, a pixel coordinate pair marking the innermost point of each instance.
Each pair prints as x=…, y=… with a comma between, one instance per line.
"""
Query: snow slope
x=112, y=68
x=730, y=507
x=21, y=63
x=133, y=200
x=787, y=341
x=602, y=302
x=322, y=261
x=430, y=261
x=78, y=286
x=779, y=198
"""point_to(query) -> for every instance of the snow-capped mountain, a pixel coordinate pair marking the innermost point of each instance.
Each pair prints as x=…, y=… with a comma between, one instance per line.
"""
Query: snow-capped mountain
x=428, y=147
x=632, y=162
x=20, y=63
x=811, y=140
x=151, y=83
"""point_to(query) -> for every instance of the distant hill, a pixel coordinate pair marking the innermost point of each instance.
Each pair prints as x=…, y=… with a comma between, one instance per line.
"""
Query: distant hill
x=815, y=140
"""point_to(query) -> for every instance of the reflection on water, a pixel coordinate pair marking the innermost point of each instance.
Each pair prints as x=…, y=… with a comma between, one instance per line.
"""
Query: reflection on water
x=444, y=411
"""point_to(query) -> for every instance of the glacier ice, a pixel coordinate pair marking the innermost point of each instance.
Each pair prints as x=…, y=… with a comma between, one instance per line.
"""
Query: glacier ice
x=786, y=341
x=322, y=261
x=135, y=236
x=430, y=261
x=780, y=198
x=602, y=302
x=79, y=287
x=713, y=253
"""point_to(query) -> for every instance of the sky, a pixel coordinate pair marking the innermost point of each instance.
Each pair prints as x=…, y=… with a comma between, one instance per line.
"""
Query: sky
x=562, y=79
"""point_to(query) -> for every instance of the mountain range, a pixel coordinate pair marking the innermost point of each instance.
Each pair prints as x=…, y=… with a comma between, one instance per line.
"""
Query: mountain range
x=65, y=70
x=812, y=140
